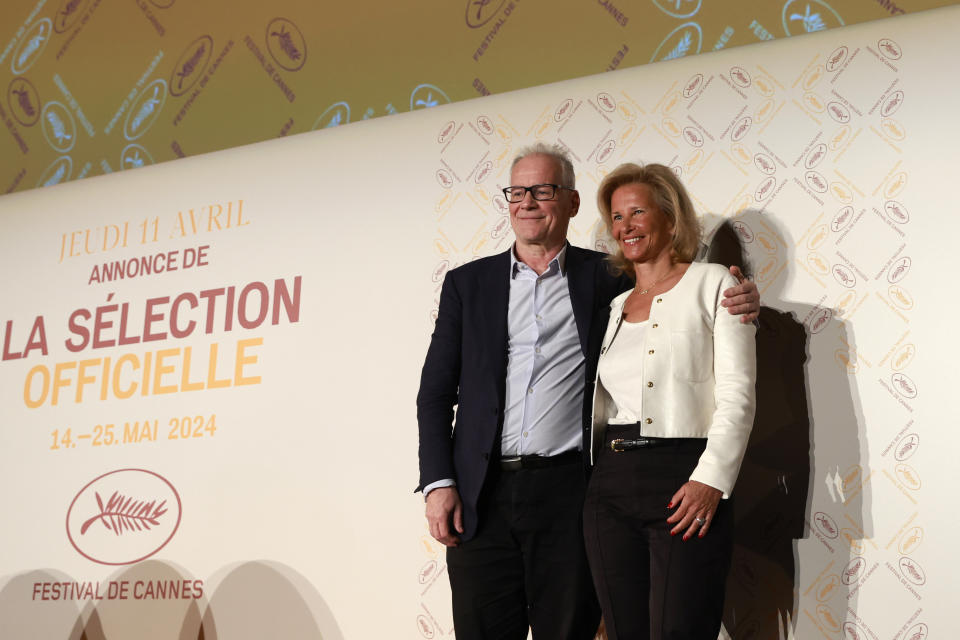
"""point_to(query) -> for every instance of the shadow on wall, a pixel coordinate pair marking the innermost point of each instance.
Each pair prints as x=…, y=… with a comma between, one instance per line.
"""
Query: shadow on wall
x=801, y=477
x=22, y=616
x=157, y=600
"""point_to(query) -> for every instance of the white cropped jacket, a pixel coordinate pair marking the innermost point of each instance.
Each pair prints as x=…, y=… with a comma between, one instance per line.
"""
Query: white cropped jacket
x=699, y=374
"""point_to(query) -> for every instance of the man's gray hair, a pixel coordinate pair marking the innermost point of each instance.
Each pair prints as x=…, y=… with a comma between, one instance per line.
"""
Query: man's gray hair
x=555, y=151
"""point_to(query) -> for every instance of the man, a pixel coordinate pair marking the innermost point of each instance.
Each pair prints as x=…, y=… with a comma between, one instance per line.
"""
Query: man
x=504, y=489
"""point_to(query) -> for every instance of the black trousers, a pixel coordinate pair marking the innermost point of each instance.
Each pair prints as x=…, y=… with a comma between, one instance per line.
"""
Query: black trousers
x=526, y=568
x=652, y=585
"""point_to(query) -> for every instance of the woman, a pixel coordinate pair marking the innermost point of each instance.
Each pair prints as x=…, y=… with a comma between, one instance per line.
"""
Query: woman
x=672, y=411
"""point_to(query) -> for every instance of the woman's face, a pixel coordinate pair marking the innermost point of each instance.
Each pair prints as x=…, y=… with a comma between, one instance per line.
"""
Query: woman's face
x=641, y=229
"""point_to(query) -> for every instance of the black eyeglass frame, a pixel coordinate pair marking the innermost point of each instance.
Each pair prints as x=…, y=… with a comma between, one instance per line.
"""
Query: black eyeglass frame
x=530, y=190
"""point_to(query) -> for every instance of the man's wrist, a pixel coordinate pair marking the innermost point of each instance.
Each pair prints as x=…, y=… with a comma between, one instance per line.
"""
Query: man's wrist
x=445, y=482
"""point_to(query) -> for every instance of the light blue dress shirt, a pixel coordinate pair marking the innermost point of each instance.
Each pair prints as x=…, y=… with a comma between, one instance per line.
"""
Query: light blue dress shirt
x=545, y=364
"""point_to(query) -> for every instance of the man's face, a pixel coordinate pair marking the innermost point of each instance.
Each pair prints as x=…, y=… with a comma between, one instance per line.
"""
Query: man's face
x=541, y=222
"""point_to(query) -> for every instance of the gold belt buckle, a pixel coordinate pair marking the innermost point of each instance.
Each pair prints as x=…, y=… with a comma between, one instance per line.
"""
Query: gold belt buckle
x=614, y=445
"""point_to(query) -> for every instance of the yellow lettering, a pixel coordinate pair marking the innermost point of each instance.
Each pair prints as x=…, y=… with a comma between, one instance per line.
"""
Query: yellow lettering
x=212, y=382
x=163, y=369
x=58, y=380
x=129, y=391
x=82, y=378
x=243, y=360
x=185, y=384
x=45, y=376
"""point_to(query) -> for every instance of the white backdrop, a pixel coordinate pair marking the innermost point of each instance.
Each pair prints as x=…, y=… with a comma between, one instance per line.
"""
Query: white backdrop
x=288, y=509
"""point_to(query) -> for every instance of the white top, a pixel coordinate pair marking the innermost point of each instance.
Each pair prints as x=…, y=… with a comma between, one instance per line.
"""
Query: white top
x=621, y=372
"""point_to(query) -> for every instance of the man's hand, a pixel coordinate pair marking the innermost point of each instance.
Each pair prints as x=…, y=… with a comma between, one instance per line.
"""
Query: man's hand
x=443, y=509
x=742, y=300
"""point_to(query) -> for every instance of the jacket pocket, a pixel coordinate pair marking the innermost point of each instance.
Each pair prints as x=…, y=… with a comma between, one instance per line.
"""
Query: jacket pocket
x=691, y=355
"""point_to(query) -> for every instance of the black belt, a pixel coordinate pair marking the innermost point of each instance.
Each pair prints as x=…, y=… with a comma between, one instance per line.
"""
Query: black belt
x=516, y=463
x=623, y=444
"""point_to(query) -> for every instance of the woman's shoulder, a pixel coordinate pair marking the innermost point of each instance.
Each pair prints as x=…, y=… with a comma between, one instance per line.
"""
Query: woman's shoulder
x=711, y=274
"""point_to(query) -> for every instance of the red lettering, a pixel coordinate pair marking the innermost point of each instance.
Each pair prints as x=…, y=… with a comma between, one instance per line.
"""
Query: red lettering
x=78, y=330
x=290, y=305
x=211, y=295
x=174, y=310
x=245, y=322
x=124, y=339
x=6, y=344
x=37, y=339
x=150, y=317
x=100, y=324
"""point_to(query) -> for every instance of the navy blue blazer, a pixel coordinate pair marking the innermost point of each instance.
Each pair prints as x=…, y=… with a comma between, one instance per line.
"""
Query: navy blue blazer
x=466, y=367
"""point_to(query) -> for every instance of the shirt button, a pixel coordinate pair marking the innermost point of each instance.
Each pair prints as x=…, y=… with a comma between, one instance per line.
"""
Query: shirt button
x=655, y=325
x=649, y=420
x=650, y=352
x=539, y=317
x=650, y=384
x=537, y=349
x=530, y=390
x=659, y=300
x=525, y=434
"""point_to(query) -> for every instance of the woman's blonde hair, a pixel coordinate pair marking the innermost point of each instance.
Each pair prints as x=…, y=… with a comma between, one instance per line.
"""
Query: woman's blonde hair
x=670, y=197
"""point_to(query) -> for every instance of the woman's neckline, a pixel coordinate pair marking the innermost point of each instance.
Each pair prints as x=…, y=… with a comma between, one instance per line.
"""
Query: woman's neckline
x=654, y=295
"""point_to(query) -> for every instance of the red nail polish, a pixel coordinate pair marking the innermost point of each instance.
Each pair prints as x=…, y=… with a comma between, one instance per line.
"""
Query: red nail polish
x=673, y=533
x=670, y=506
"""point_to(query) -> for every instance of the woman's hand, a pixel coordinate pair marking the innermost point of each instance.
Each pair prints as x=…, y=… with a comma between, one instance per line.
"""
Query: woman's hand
x=696, y=503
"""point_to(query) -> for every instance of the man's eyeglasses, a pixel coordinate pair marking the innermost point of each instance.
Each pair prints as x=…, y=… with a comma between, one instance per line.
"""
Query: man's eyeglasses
x=538, y=191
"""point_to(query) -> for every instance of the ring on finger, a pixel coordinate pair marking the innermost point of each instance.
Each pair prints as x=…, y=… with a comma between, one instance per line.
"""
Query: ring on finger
x=700, y=521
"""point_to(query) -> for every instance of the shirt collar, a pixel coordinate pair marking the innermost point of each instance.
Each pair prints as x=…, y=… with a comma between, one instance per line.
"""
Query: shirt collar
x=559, y=262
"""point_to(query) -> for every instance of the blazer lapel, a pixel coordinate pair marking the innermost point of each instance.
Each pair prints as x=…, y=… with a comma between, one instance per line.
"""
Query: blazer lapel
x=495, y=301
x=581, y=281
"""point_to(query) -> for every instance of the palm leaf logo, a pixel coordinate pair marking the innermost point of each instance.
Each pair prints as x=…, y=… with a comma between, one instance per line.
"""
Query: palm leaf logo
x=681, y=49
x=125, y=514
